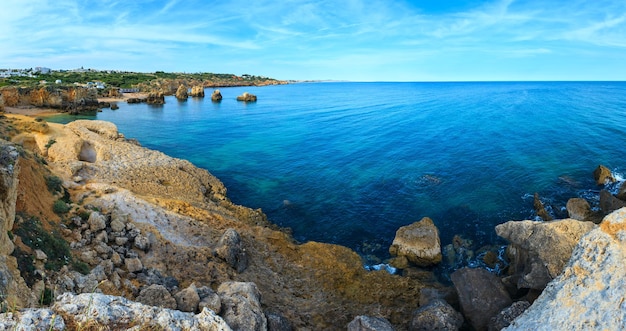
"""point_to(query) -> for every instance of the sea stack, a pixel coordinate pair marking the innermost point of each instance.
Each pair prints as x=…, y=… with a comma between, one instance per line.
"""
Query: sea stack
x=247, y=97
x=216, y=96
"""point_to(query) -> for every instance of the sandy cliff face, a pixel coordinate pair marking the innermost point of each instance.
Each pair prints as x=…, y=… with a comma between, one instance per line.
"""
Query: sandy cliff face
x=184, y=216
x=71, y=99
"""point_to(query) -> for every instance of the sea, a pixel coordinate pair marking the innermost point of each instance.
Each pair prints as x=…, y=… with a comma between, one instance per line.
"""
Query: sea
x=349, y=163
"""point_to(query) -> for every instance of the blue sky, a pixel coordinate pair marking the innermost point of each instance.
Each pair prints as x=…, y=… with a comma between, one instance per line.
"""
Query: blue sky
x=360, y=40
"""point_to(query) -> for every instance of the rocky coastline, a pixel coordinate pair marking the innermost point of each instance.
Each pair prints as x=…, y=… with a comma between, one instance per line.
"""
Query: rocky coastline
x=154, y=242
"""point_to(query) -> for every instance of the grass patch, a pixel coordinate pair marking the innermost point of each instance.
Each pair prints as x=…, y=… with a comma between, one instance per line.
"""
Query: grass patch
x=34, y=236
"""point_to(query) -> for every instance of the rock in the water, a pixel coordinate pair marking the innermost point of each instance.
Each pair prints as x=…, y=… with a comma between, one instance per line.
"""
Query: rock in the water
x=418, y=242
x=155, y=98
x=609, y=203
x=481, y=295
x=247, y=97
x=369, y=323
x=603, y=175
x=621, y=193
x=230, y=249
x=158, y=296
x=188, y=299
x=241, y=306
x=197, y=92
x=216, y=96
x=589, y=294
x=540, y=209
x=578, y=209
x=539, y=250
x=507, y=315
x=181, y=93
x=436, y=315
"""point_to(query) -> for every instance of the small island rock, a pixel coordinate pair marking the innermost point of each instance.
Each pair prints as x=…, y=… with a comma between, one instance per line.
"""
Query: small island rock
x=216, y=96
x=197, y=92
x=418, y=242
x=181, y=93
x=247, y=97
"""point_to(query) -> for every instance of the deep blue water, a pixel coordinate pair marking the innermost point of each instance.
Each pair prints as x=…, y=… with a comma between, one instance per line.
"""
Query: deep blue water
x=349, y=163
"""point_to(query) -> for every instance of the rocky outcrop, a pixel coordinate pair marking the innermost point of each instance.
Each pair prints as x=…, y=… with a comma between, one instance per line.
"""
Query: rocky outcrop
x=603, y=175
x=589, y=293
x=578, y=209
x=241, y=306
x=539, y=250
x=181, y=93
x=197, y=92
x=609, y=203
x=419, y=243
x=481, y=295
x=1, y=102
x=155, y=98
x=247, y=97
x=230, y=249
x=540, y=208
x=99, y=311
x=216, y=96
x=158, y=296
x=68, y=99
x=436, y=315
x=369, y=323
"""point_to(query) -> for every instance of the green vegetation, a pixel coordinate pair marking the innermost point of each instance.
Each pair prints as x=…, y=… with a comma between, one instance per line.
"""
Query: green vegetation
x=33, y=235
x=121, y=79
x=60, y=207
x=55, y=184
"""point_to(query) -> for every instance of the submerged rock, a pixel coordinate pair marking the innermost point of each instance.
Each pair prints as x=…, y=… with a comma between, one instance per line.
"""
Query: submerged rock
x=418, y=242
x=589, y=293
x=539, y=250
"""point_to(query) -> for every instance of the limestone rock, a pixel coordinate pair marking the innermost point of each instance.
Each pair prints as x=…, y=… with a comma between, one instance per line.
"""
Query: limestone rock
x=32, y=319
x=436, y=315
x=247, y=97
x=188, y=299
x=540, y=209
x=507, y=315
x=230, y=249
x=158, y=296
x=369, y=323
x=241, y=306
x=181, y=93
x=578, y=209
x=589, y=293
x=9, y=169
x=418, y=242
x=209, y=299
x=197, y=91
x=133, y=264
x=277, y=322
x=155, y=98
x=216, y=96
x=97, y=221
x=481, y=295
x=621, y=193
x=603, y=175
x=539, y=250
x=609, y=203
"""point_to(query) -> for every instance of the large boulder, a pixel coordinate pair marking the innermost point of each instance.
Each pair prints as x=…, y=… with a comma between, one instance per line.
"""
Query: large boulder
x=621, y=192
x=155, y=98
x=158, y=296
x=436, y=315
x=539, y=250
x=241, y=306
x=197, y=92
x=230, y=249
x=609, y=203
x=603, y=175
x=188, y=299
x=181, y=93
x=369, y=323
x=481, y=295
x=540, y=209
x=247, y=97
x=418, y=242
x=216, y=96
x=508, y=315
x=589, y=293
x=578, y=209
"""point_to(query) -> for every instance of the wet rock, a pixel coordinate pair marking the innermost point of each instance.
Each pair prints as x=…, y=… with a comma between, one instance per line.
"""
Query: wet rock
x=481, y=295
x=418, y=242
x=540, y=209
x=181, y=93
x=621, y=192
x=188, y=299
x=508, y=315
x=539, y=250
x=609, y=203
x=158, y=296
x=230, y=249
x=369, y=323
x=603, y=175
x=96, y=221
x=247, y=97
x=216, y=96
x=241, y=306
x=436, y=315
x=578, y=209
x=589, y=293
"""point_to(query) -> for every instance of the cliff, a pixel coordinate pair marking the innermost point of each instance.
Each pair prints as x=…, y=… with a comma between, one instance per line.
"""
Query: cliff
x=137, y=219
x=67, y=99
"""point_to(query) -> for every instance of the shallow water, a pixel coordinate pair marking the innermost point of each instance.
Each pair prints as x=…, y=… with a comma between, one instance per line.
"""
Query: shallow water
x=349, y=163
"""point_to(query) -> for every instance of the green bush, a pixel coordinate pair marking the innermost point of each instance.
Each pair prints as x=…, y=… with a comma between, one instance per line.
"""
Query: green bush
x=55, y=184
x=60, y=207
x=34, y=236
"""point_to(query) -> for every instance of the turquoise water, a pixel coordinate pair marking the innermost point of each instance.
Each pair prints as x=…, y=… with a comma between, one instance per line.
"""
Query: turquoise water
x=349, y=163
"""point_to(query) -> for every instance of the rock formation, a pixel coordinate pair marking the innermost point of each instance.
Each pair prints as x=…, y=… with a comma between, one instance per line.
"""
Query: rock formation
x=603, y=175
x=247, y=97
x=578, y=209
x=197, y=91
x=418, y=242
x=181, y=93
x=68, y=99
x=155, y=98
x=589, y=293
x=216, y=96
x=539, y=250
